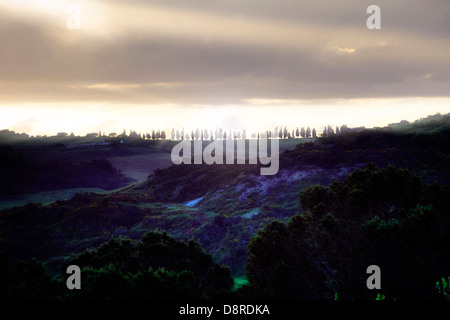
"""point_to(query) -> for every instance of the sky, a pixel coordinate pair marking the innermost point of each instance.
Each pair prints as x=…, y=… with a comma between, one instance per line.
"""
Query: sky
x=234, y=64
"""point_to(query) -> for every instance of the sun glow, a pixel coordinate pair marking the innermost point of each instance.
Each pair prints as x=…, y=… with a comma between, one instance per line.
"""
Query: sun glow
x=48, y=119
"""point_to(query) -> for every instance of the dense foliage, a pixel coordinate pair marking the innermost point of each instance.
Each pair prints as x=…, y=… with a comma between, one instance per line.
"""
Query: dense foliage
x=156, y=267
x=385, y=217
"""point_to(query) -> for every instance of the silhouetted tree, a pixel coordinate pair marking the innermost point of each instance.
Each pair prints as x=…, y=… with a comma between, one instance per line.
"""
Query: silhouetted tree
x=91, y=135
x=302, y=132
x=134, y=135
x=330, y=130
x=344, y=129
x=197, y=134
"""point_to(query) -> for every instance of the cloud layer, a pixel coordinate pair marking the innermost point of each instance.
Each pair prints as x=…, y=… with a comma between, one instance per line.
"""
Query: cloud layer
x=222, y=52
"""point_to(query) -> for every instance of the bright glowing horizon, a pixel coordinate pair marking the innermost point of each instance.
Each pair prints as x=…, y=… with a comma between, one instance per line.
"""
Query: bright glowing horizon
x=260, y=116
x=250, y=64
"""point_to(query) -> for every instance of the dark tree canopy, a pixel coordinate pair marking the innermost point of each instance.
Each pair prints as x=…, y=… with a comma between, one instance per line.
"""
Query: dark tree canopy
x=385, y=217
